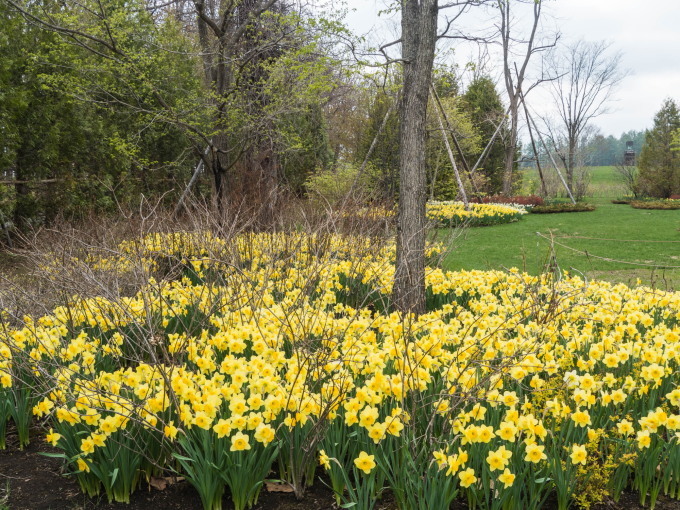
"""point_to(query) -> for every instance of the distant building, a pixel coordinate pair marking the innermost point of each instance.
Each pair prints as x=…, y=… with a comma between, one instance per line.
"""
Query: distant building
x=629, y=155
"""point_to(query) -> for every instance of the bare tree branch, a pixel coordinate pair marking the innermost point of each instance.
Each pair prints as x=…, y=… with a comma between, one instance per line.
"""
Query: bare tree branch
x=586, y=76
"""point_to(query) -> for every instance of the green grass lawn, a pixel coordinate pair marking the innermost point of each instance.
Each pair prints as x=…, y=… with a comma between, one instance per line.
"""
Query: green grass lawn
x=615, y=243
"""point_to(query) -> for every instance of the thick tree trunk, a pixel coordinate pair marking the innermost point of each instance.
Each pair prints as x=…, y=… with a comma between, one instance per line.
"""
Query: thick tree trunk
x=571, y=161
x=544, y=188
x=23, y=205
x=510, y=150
x=418, y=40
x=219, y=165
x=263, y=190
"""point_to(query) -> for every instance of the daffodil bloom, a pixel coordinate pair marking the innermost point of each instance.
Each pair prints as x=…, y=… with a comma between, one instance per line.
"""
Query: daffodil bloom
x=394, y=426
x=87, y=446
x=467, y=477
x=368, y=416
x=456, y=461
x=170, y=431
x=98, y=440
x=507, y=431
x=625, y=428
x=440, y=458
x=578, y=454
x=239, y=442
x=324, y=460
x=43, y=407
x=377, y=432
x=365, y=462
x=581, y=418
x=507, y=478
x=83, y=466
x=202, y=420
x=53, y=437
x=498, y=459
x=535, y=453
x=486, y=433
x=264, y=434
x=643, y=439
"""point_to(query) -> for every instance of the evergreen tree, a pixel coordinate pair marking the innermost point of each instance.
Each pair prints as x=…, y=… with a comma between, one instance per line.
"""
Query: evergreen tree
x=485, y=108
x=78, y=127
x=384, y=160
x=659, y=163
x=441, y=180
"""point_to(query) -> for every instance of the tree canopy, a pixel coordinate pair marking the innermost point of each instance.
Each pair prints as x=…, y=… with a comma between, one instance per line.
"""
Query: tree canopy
x=659, y=162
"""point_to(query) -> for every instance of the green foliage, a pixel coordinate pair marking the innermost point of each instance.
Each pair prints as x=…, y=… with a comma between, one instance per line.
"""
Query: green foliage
x=385, y=157
x=483, y=104
x=601, y=151
x=333, y=185
x=117, y=102
x=266, y=101
x=85, y=119
x=441, y=177
x=659, y=163
x=305, y=146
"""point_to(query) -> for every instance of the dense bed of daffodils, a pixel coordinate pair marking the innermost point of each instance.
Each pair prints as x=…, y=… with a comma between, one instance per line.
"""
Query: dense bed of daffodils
x=453, y=214
x=268, y=355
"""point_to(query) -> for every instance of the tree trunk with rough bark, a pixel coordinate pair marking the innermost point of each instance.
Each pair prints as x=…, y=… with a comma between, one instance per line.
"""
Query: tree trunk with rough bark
x=511, y=149
x=418, y=41
x=571, y=161
x=224, y=35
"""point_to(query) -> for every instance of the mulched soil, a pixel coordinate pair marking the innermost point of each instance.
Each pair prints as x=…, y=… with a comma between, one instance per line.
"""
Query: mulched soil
x=29, y=481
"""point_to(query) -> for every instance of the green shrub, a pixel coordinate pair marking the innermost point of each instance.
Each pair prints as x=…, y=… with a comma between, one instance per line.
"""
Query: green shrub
x=332, y=186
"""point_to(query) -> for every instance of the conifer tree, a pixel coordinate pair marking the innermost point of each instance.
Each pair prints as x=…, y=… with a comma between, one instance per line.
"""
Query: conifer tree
x=659, y=163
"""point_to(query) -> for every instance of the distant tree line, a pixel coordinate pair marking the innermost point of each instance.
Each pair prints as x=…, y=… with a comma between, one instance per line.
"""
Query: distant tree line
x=596, y=149
x=609, y=151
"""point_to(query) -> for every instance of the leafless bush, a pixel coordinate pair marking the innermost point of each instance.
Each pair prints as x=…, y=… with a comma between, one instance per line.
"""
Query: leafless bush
x=628, y=175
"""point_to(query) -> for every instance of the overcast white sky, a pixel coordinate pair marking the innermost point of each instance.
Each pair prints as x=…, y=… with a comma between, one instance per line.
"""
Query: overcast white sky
x=646, y=32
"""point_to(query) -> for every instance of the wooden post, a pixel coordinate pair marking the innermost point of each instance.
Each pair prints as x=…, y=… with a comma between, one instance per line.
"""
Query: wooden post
x=553, y=161
x=453, y=161
x=192, y=181
x=453, y=136
x=486, y=150
x=544, y=189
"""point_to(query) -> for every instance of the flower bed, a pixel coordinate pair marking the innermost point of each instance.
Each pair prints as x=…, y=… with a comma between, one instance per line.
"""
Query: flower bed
x=525, y=200
x=280, y=352
x=453, y=214
x=666, y=205
x=563, y=208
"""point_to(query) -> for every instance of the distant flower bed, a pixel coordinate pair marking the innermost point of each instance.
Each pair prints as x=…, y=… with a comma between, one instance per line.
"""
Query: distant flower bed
x=562, y=208
x=525, y=200
x=665, y=204
x=453, y=214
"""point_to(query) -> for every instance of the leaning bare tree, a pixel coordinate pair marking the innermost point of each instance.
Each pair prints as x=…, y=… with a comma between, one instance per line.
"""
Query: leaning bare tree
x=515, y=73
x=586, y=74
